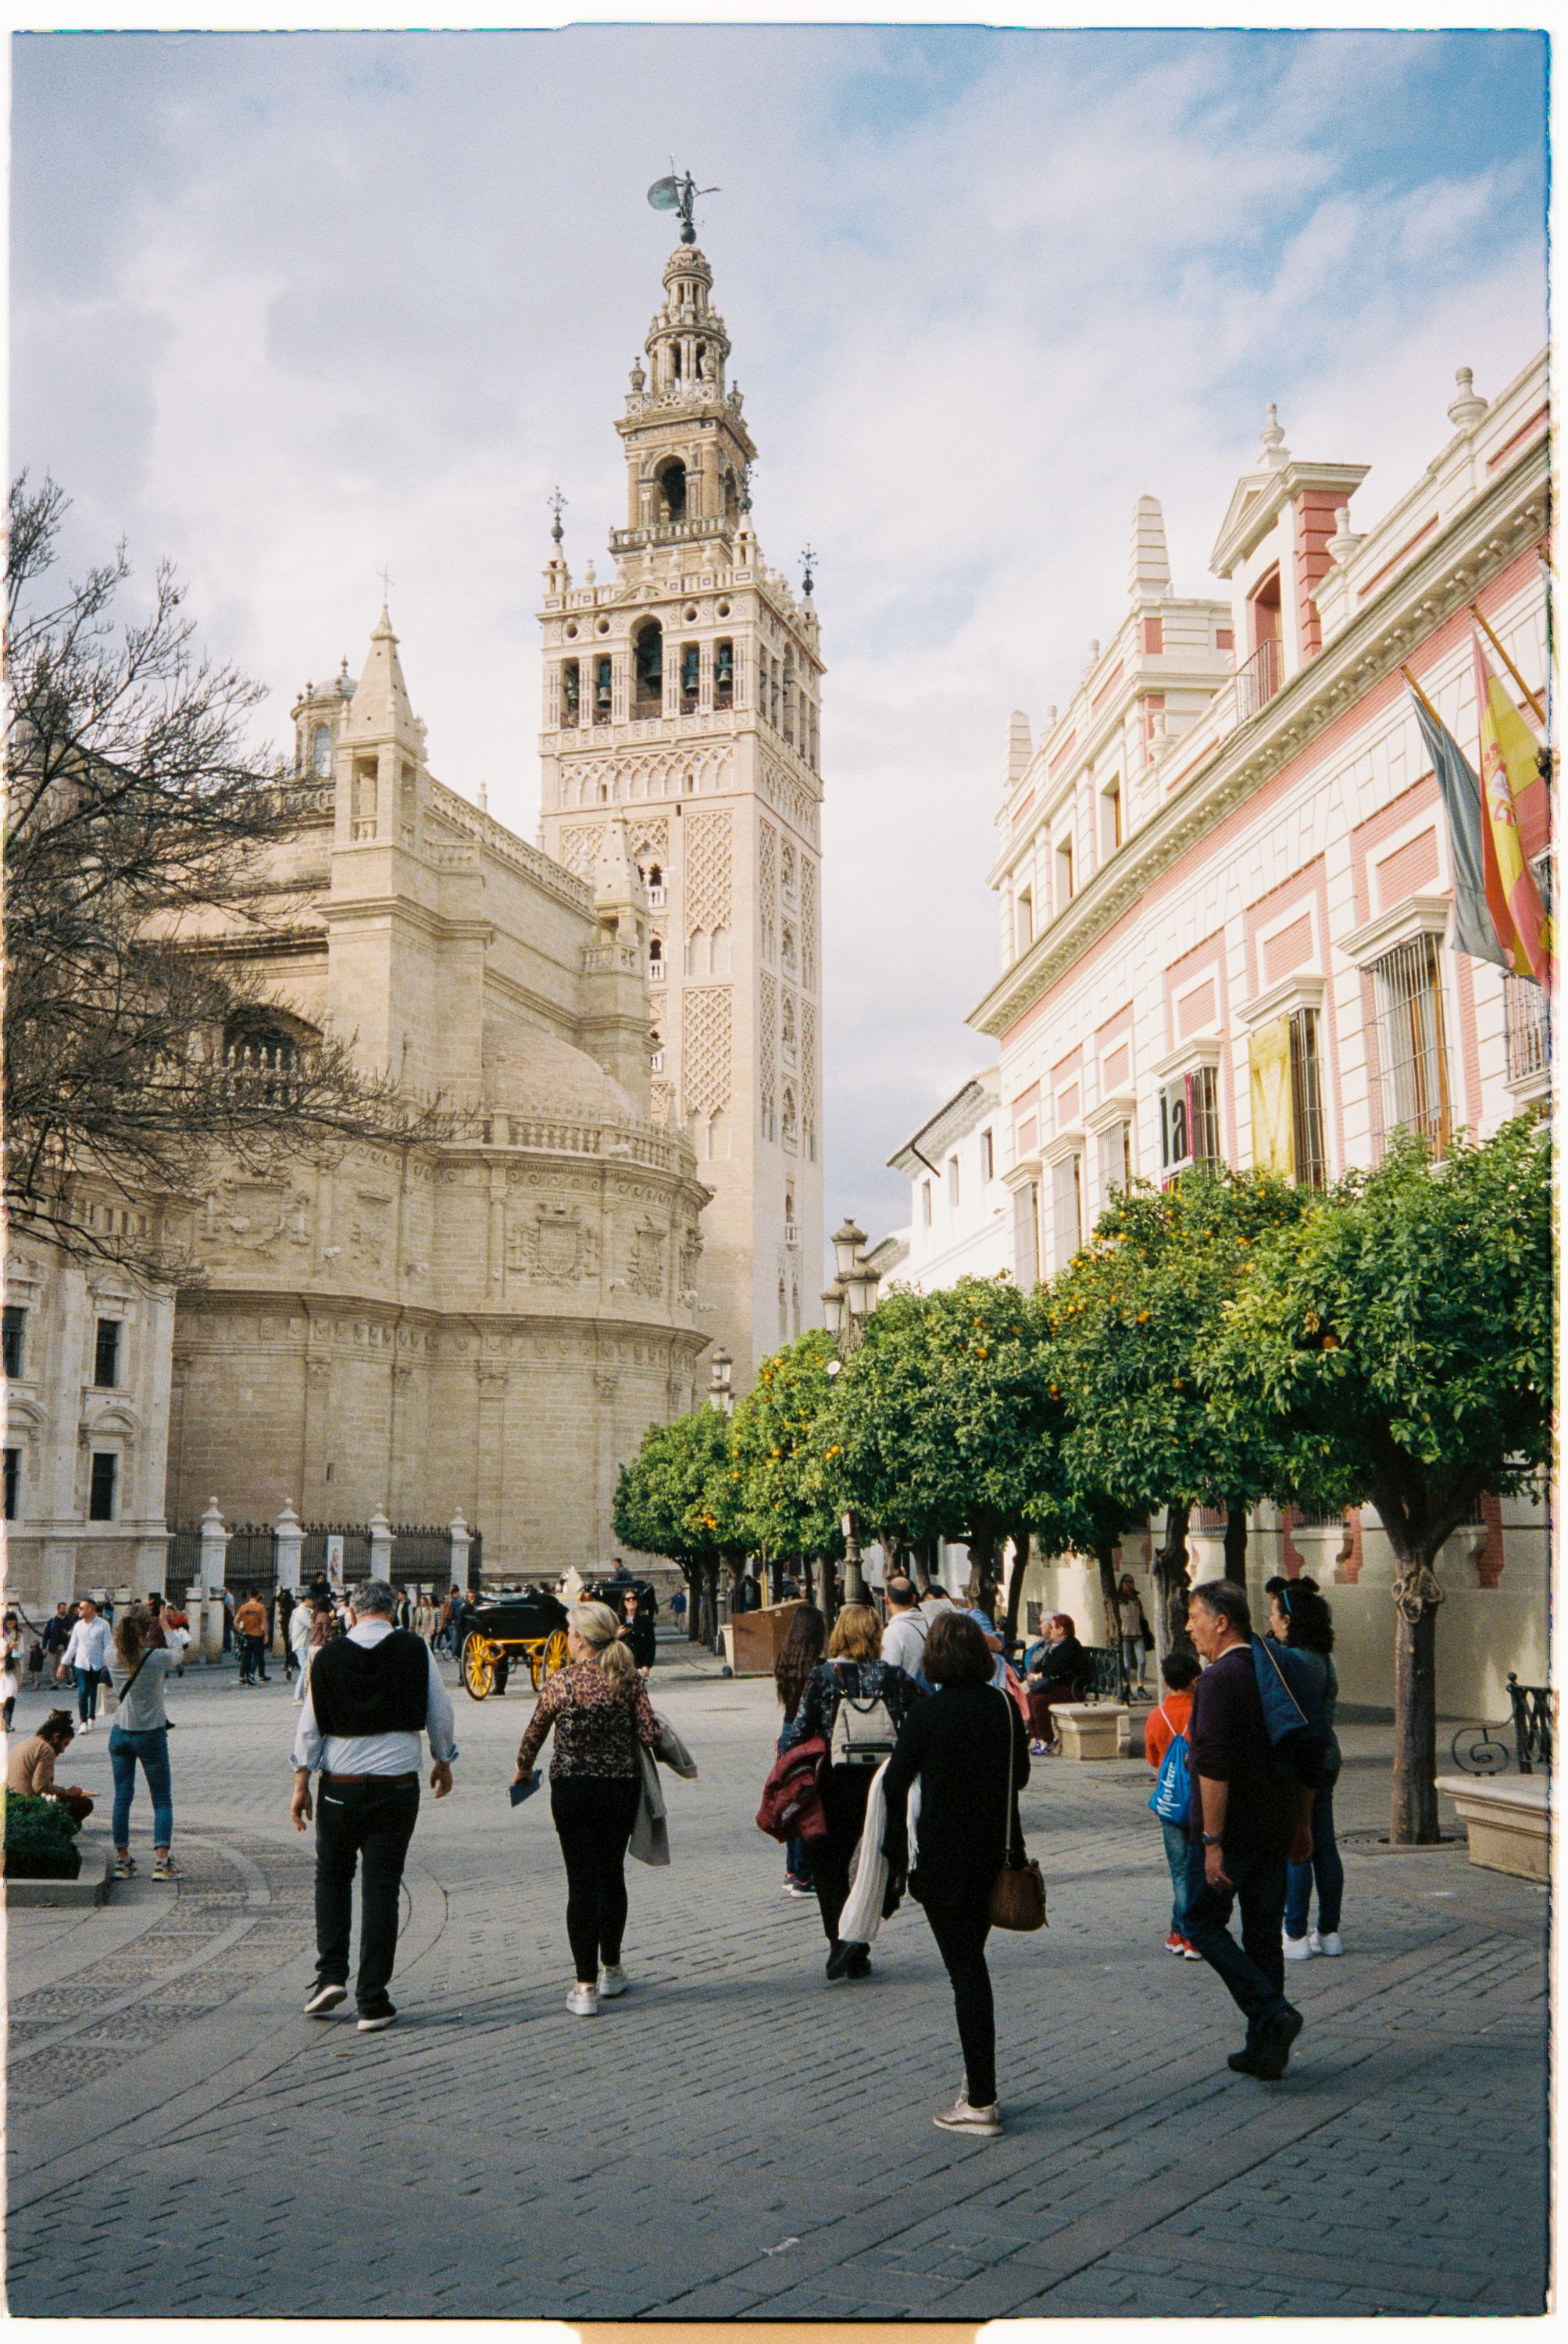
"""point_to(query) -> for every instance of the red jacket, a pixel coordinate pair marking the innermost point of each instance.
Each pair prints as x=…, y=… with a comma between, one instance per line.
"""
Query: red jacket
x=1160, y=1731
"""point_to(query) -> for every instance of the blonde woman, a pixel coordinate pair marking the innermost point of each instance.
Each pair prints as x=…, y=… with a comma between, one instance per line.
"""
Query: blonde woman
x=139, y=1737
x=855, y=1702
x=597, y=1705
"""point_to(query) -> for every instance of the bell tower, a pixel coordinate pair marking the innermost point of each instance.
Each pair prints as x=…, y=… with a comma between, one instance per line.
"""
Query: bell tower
x=682, y=698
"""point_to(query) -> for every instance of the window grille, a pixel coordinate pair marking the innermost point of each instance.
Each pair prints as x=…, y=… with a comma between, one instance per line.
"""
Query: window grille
x=1205, y=1085
x=101, y=1492
x=1307, y=1099
x=1114, y=1159
x=15, y=1338
x=1527, y=1026
x=107, y=1354
x=1411, y=1043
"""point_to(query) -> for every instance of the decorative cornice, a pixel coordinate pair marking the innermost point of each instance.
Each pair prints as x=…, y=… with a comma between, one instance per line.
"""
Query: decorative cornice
x=1476, y=548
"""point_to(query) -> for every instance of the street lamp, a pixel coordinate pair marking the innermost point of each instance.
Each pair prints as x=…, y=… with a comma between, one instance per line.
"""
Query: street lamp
x=720, y=1396
x=847, y=1304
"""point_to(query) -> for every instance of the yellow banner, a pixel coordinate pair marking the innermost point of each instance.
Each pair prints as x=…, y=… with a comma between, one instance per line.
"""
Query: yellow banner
x=1273, y=1130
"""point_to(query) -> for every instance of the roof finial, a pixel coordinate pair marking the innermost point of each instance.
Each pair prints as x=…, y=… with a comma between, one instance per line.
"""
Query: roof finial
x=556, y=504
x=1468, y=407
x=808, y=563
x=1274, y=449
x=385, y=575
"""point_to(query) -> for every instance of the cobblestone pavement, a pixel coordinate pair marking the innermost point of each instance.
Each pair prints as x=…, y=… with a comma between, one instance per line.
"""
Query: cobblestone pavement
x=736, y=2138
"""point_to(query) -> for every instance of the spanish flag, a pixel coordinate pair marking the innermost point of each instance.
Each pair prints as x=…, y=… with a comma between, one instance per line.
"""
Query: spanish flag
x=1514, y=823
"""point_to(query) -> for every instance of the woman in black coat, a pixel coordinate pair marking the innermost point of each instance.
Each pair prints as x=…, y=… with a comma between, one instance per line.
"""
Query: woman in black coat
x=962, y=1744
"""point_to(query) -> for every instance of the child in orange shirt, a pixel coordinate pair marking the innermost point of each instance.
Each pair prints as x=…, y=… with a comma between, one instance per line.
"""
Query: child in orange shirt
x=1180, y=1672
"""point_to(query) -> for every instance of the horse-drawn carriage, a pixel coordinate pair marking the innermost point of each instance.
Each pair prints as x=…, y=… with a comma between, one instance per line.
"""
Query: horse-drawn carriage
x=528, y=1627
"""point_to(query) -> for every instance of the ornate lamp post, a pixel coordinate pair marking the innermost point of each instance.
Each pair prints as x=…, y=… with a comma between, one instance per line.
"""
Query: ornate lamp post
x=847, y=1304
x=721, y=1368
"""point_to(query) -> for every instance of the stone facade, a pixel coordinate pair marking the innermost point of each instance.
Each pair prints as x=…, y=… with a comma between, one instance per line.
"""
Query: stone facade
x=681, y=699
x=87, y=1423
x=1225, y=883
x=489, y=1325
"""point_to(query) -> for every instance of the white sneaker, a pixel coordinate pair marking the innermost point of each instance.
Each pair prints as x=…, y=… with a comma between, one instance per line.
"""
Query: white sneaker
x=1330, y=1944
x=1300, y=1949
x=612, y=1980
x=962, y=2117
x=582, y=2001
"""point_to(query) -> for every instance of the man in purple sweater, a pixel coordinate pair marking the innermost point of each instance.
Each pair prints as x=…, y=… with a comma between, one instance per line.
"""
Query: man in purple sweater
x=1249, y=1819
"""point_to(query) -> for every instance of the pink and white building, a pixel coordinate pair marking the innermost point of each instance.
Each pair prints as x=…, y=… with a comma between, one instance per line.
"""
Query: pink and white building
x=1224, y=883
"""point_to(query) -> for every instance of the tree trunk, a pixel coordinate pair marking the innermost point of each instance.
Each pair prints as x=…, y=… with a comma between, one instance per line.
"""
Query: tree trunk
x=981, y=1588
x=1412, y=1817
x=1235, y=1544
x=693, y=1603
x=710, y=1604
x=1171, y=1584
x=925, y=1563
x=1016, y=1578
x=1104, y=1555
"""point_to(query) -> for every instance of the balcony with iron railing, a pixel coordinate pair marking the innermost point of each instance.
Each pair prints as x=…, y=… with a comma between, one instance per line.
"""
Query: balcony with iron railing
x=1258, y=680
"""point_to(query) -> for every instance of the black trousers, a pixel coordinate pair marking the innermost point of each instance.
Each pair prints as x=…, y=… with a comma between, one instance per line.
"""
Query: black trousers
x=593, y=1818
x=960, y=1931
x=253, y=1659
x=1254, y=1970
x=844, y=1791
x=371, y=1823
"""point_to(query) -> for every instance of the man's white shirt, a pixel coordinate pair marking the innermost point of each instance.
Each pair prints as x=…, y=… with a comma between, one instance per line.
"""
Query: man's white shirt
x=89, y=1645
x=376, y=1754
x=904, y=1641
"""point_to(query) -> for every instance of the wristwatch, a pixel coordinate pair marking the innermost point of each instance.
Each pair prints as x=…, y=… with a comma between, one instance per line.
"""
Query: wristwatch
x=1213, y=1839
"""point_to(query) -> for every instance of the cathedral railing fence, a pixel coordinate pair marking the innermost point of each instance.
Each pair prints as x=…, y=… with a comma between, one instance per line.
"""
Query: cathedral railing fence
x=421, y=1556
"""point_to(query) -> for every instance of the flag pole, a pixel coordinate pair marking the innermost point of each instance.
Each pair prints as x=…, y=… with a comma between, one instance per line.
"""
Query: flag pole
x=1421, y=695
x=1536, y=708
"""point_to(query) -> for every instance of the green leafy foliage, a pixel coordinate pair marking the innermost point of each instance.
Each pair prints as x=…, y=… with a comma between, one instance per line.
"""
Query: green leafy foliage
x=1401, y=1337
x=679, y=1496
x=1133, y=1319
x=786, y=1501
x=38, y=1839
x=942, y=1424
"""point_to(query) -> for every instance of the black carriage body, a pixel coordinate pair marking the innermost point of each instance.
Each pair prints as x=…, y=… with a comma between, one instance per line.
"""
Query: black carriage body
x=516, y=1618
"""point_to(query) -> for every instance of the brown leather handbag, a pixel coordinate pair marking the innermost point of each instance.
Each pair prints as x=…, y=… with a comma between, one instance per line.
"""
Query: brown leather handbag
x=1018, y=1891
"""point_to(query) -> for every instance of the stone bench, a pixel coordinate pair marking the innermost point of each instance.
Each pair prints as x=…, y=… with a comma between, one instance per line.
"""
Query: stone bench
x=1507, y=1820
x=1091, y=1729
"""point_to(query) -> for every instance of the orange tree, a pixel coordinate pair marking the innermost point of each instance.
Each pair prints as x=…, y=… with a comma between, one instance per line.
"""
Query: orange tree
x=679, y=1497
x=942, y=1424
x=783, y=1497
x=1129, y=1321
x=1399, y=1342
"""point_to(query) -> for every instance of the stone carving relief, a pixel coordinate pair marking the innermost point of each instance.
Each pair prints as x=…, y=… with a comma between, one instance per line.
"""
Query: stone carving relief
x=370, y=1229
x=768, y=888
x=708, y=856
x=767, y=1050
x=808, y=923
x=646, y=1274
x=706, y=1047
x=580, y=848
x=553, y=1245
x=256, y=1216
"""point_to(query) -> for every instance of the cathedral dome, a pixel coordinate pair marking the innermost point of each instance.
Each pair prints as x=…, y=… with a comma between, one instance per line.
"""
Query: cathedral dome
x=528, y=1070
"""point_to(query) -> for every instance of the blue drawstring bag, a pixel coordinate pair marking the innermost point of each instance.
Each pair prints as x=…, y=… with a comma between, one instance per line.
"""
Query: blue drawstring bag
x=1293, y=1715
x=1172, y=1794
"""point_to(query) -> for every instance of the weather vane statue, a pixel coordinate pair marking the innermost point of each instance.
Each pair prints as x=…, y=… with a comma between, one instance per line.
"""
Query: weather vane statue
x=678, y=193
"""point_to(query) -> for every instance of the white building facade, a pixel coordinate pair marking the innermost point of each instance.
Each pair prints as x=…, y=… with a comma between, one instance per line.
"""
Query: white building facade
x=960, y=1213
x=1226, y=893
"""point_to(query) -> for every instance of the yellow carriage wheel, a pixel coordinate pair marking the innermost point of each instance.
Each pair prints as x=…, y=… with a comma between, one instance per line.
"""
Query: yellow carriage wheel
x=556, y=1655
x=478, y=1667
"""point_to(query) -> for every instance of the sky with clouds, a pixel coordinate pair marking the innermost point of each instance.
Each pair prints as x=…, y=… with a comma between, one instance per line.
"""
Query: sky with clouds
x=287, y=307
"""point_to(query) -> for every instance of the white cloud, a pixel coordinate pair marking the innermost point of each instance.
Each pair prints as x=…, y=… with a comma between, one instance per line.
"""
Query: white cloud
x=288, y=308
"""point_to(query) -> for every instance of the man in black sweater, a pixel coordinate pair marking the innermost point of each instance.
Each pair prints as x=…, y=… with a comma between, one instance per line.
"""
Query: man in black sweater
x=370, y=1696
x=1248, y=1819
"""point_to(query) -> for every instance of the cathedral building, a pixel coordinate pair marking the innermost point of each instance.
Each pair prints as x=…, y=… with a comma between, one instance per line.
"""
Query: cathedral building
x=486, y=1326
x=682, y=701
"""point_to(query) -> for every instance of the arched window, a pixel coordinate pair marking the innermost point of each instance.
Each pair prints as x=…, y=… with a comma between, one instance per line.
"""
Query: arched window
x=602, y=698
x=670, y=486
x=648, y=669
x=689, y=677
x=789, y=1033
x=725, y=675
x=789, y=948
x=263, y=1047
x=321, y=752
x=656, y=960
x=571, y=691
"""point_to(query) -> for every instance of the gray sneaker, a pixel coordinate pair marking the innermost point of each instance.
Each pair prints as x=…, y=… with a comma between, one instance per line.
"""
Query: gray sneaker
x=962, y=2117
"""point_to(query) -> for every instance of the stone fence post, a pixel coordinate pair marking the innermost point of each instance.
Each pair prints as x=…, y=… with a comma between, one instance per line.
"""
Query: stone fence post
x=290, y=1534
x=214, y=1559
x=381, y=1545
x=462, y=1540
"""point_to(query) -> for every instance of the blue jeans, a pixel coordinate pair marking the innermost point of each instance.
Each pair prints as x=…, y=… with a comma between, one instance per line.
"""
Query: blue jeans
x=1176, y=1854
x=1324, y=1867
x=1254, y=1970
x=87, y=1683
x=152, y=1749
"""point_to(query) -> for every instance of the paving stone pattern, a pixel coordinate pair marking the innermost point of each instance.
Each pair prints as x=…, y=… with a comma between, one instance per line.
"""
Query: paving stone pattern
x=736, y=2138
